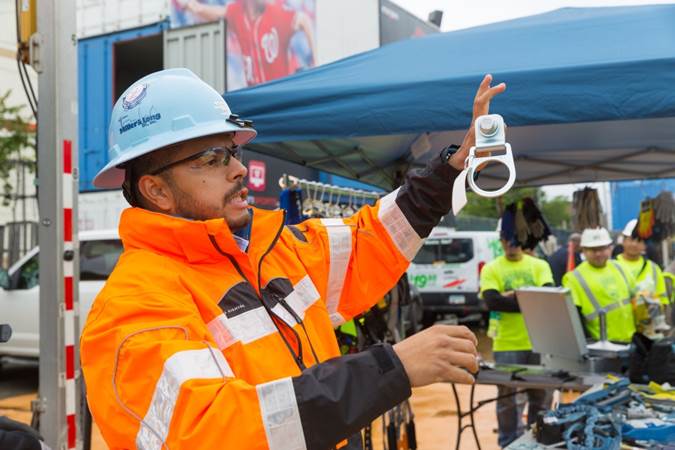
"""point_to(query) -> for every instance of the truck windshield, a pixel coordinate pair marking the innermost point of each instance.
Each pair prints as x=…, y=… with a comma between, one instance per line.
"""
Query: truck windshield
x=98, y=258
x=451, y=251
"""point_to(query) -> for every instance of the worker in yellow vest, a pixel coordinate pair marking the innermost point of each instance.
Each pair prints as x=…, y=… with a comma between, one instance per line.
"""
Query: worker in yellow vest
x=652, y=300
x=648, y=275
x=600, y=286
x=499, y=280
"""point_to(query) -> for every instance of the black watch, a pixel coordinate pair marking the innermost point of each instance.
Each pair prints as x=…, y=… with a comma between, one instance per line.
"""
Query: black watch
x=447, y=152
x=450, y=150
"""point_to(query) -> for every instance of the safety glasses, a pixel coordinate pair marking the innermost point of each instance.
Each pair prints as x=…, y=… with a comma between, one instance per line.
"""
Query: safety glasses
x=211, y=157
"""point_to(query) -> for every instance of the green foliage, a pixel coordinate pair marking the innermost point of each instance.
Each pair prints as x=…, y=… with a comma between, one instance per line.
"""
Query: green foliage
x=487, y=207
x=17, y=144
x=556, y=211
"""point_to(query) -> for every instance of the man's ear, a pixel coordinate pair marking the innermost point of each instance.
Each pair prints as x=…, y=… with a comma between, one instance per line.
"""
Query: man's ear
x=156, y=193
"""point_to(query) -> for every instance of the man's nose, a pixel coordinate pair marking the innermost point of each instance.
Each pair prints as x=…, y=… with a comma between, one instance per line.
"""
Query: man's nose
x=237, y=170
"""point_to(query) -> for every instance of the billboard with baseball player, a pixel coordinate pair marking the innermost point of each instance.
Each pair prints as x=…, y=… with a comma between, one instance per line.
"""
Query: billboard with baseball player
x=266, y=39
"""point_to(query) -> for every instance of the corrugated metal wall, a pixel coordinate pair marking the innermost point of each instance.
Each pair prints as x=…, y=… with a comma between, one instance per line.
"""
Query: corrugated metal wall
x=200, y=49
x=627, y=195
x=95, y=73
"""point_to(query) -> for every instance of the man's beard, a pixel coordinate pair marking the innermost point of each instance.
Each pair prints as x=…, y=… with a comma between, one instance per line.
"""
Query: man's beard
x=191, y=208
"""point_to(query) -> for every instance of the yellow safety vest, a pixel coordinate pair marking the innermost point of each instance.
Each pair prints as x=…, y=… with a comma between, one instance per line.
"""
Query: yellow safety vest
x=607, y=290
x=647, y=276
x=508, y=330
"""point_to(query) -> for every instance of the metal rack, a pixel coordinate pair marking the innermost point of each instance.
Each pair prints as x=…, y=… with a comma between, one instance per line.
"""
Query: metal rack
x=327, y=200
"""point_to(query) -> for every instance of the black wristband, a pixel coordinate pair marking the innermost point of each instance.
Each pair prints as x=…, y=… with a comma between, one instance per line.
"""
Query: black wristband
x=450, y=150
x=447, y=152
x=384, y=361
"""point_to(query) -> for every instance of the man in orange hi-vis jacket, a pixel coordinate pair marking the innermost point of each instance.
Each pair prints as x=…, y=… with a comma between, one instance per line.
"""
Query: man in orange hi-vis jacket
x=206, y=339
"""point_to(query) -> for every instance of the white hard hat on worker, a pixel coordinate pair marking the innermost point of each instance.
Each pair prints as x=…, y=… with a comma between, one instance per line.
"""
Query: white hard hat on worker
x=162, y=109
x=629, y=228
x=596, y=246
x=595, y=237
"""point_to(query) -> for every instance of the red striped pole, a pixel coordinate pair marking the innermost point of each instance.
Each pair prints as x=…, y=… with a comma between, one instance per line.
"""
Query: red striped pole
x=69, y=312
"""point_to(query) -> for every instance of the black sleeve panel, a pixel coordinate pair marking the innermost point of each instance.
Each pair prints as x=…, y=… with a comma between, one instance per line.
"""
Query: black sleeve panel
x=339, y=397
x=18, y=436
x=18, y=440
x=426, y=195
x=497, y=302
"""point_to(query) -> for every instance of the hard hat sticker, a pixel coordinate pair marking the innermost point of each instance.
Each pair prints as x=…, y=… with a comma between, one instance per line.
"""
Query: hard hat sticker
x=143, y=120
x=135, y=96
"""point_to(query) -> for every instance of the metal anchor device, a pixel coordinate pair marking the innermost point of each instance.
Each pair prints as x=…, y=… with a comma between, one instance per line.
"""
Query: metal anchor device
x=490, y=138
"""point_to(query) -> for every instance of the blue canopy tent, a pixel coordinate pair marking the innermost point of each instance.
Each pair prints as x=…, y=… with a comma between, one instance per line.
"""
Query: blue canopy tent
x=590, y=97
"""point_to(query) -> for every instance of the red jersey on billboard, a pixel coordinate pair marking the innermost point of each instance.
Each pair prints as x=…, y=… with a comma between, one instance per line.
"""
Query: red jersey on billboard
x=256, y=175
x=263, y=40
x=266, y=39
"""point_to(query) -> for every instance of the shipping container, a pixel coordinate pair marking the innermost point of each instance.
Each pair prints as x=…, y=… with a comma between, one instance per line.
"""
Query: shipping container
x=201, y=49
x=95, y=17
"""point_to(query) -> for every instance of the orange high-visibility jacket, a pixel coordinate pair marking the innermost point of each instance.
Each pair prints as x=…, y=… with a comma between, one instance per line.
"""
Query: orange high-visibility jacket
x=196, y=344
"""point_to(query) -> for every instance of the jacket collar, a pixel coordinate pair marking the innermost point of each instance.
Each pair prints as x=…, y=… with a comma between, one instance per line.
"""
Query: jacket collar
x=196, y=241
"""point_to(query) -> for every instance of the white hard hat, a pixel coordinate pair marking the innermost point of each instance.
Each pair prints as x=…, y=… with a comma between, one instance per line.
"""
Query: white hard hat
x=162, y=109
x=629, y=228
x=595, y=237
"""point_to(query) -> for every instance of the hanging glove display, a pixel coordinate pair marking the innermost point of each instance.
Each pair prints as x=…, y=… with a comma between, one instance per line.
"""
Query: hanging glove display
x=523, y=225
x=664, y=216
x=646, y=219
x=490, y=137
x=656, y=220
x=586, y=210
x=664, y=208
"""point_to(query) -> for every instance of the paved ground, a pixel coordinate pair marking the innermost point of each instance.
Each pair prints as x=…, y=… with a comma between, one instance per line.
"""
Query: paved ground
x=433, y=407
x=435, y=418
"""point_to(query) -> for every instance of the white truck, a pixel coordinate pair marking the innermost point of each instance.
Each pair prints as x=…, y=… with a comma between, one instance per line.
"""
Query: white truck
x=20, y=290
x=446, y=271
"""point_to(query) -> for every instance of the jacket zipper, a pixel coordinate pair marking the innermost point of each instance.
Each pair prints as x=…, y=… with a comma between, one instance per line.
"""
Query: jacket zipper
x=297, y=318
x=283, y=302
x=288, y=308
x=296, y=357
x=285, y=305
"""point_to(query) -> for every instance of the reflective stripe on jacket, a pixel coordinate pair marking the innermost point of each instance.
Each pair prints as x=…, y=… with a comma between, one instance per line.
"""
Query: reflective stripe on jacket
x=194, y=344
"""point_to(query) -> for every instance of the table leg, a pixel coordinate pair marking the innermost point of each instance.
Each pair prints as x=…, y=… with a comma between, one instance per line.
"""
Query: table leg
x=471, y=411
x=460, y=417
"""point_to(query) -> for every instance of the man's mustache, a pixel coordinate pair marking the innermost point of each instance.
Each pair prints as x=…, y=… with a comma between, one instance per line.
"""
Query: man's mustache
x=234, y=191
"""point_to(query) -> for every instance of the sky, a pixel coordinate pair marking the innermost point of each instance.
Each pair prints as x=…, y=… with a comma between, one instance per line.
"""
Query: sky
x=458, y=14
x=469, y=13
